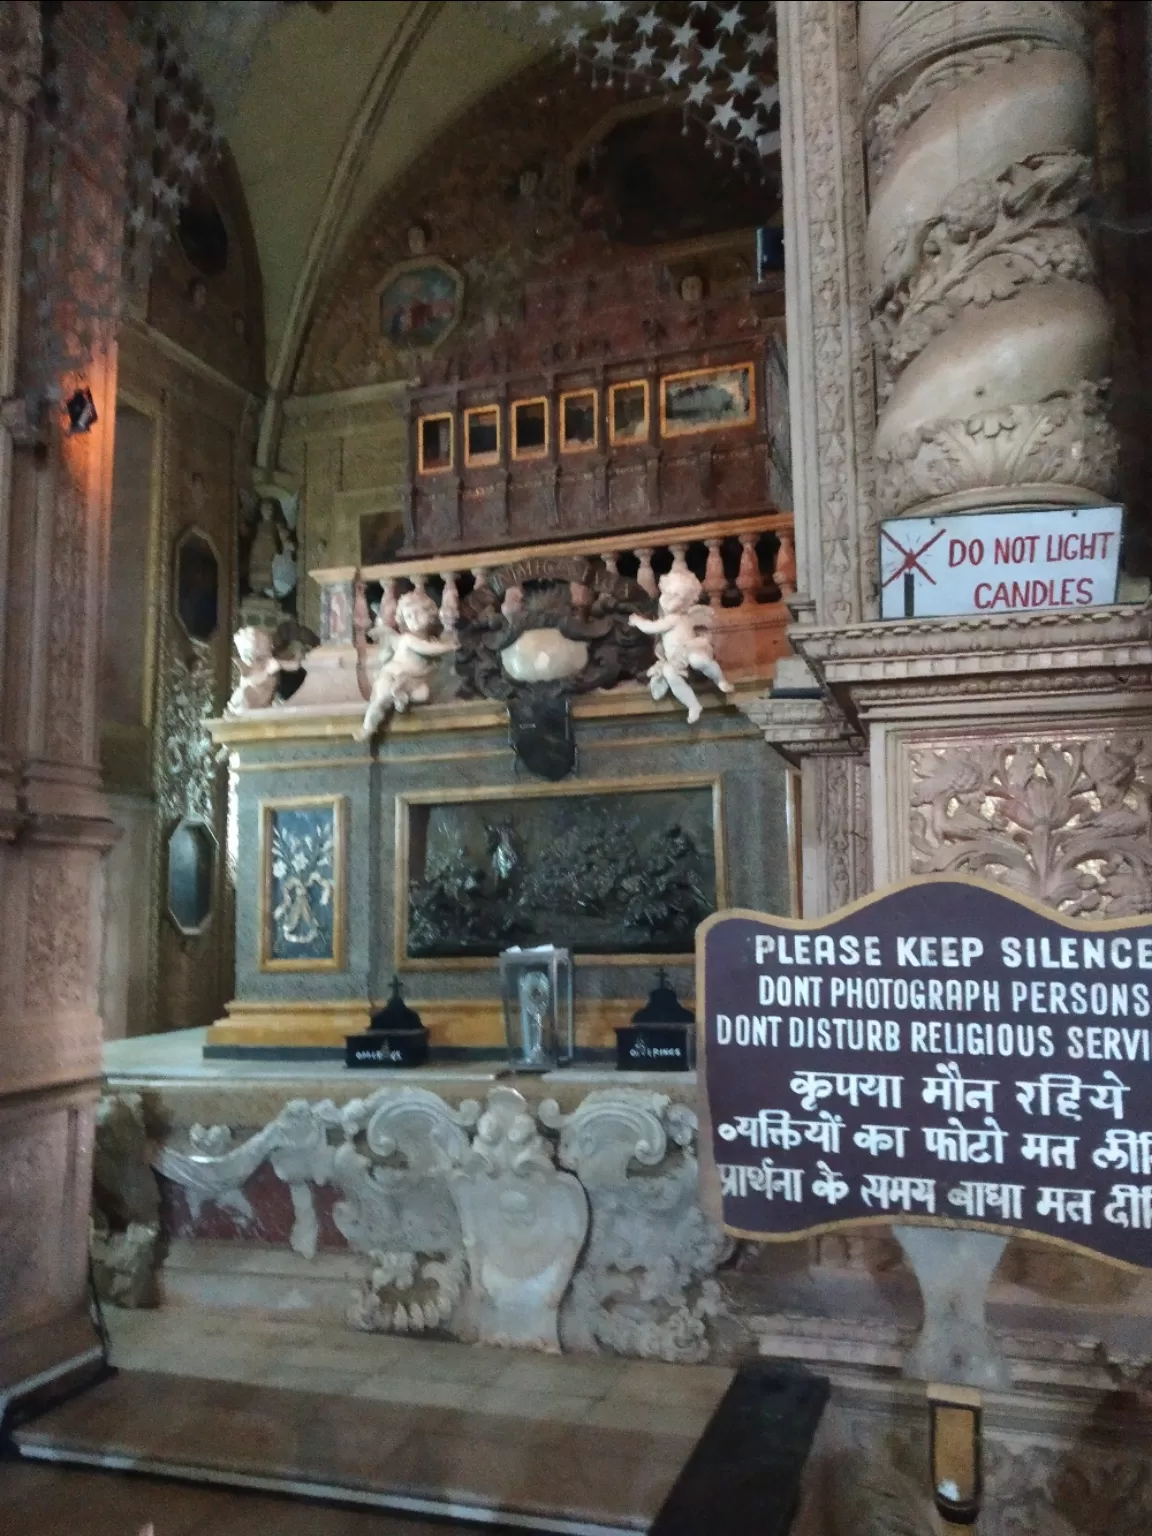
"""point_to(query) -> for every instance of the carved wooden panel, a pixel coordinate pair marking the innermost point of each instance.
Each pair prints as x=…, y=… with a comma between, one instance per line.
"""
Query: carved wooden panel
x=1065, y=817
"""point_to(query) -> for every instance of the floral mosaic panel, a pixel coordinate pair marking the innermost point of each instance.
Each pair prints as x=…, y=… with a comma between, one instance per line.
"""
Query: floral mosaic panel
x=303, y=917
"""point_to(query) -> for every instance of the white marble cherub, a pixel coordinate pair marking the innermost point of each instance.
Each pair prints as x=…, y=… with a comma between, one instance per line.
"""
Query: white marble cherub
x=407, y=664
x=260, y=667
x=684, y=641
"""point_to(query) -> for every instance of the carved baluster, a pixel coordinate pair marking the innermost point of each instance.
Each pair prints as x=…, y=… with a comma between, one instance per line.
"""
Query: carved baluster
x=361, y=618
x=361, y=631
x=715, y=581
x=513, y=601
x=450, y=602
x=784, y=570
x=748, y=578
x=386, y=614
x=610, y=559
x=679, y=563
x=646, y=576
x=480, y=577
x=418, y=580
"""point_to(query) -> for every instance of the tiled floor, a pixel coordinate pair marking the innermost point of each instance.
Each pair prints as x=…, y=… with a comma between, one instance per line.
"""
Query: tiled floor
x=589, y=1442
x=40, y=1500
x=600, y=1390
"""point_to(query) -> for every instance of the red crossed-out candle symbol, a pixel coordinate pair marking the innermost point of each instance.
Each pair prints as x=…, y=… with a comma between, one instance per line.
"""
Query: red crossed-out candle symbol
x=909, y=566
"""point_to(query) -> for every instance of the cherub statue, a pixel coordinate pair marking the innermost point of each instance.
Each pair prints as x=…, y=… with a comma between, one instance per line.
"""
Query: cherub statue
x=684, y=641
x=259, y=670
x=262, y=654
x=406, y=668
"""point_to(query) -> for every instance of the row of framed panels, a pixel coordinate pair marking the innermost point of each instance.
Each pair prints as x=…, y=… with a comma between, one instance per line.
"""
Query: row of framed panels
x=699, y=400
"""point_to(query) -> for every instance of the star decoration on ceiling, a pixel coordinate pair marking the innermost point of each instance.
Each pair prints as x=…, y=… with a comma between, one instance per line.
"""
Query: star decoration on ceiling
x=717, y=57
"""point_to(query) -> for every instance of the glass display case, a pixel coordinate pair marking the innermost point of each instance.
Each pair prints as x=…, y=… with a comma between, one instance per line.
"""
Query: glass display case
x=537, y=989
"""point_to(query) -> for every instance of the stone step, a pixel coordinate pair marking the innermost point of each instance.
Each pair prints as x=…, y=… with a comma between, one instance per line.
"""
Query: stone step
x=485, y=1468
x=478, y=1469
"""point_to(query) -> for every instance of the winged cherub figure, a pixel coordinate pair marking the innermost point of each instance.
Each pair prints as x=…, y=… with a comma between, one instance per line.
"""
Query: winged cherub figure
x=407, y=664
x=260, y=668
x=683, y=641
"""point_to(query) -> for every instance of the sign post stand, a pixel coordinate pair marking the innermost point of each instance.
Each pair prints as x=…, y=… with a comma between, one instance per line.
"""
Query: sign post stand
x=956, y=1355
x=947, y=1059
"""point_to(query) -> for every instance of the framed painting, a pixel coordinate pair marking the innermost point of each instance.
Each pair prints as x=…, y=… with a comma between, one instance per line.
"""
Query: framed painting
x=707, y=400
x=628, y=412
x=579, y=421
x=420, y=304
x=434, y=441
x=530, y=435
x=191, y=876
x=482, y=435
x=302, y=884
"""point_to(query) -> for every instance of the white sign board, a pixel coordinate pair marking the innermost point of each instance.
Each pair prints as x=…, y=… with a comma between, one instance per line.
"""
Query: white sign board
x=999, y=562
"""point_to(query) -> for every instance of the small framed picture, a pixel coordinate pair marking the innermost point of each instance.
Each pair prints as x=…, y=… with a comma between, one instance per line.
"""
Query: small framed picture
x=434, y=444
x=302, y=894
x=628, y=412
x=707, y=400
x=482, y=435
x=579, y=421
x=530, y=428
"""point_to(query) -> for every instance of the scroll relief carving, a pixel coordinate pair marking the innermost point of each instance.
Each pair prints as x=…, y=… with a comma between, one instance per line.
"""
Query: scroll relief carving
x=488, y=1222
x=645, y=1285
x=1067, y=822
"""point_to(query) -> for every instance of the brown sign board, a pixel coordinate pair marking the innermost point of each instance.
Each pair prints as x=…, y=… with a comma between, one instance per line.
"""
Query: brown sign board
x=941, y=1053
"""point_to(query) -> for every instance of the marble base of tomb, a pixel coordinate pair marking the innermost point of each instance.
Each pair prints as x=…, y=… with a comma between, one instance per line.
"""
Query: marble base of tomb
x=302, y=1196
x=442, y=779
x=310, y=1190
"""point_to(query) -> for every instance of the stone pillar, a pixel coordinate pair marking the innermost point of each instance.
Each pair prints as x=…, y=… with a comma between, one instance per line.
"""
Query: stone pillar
x=54, y=506
x=992, y=337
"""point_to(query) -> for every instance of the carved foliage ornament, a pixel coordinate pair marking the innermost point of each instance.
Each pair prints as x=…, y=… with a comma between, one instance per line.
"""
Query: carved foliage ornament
x=1065, y=440
x=186, y=761
x=987, y=239
x=1067, y=822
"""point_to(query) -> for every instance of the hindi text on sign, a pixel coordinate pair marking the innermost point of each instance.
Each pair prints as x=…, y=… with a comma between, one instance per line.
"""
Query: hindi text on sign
x=944, y=1052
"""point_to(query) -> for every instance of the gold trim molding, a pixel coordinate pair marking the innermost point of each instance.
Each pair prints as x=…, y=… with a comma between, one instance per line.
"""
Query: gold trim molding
x=469, y=1023
x=341, y=722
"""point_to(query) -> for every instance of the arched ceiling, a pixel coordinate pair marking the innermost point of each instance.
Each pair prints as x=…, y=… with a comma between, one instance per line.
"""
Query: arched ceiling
x=336, y=105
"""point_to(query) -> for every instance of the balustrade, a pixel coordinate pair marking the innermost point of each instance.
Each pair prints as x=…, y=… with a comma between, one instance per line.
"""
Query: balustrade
x=746, y=566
